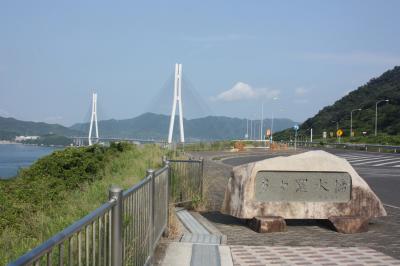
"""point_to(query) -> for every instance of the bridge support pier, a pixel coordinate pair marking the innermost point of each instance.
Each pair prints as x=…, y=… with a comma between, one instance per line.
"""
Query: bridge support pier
x=177, y=101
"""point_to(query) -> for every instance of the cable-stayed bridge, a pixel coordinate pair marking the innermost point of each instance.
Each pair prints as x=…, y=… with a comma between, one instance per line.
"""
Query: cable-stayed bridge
x=157, y=130
x=176, y=104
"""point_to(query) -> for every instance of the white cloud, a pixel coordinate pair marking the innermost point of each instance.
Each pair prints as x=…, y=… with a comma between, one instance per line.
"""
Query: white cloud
x=243, y=91
x=5, y=113
x=300, y=91
x=356, y=57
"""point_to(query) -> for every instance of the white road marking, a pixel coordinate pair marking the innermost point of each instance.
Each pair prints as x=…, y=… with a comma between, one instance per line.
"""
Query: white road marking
x=392, y=162
x=355, y=157
x=370, y=159
x=391, y=206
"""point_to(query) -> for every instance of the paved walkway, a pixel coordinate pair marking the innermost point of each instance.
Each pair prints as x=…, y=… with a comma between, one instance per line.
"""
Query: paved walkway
x=321, y=256
x=306, y=242
x=383, y=234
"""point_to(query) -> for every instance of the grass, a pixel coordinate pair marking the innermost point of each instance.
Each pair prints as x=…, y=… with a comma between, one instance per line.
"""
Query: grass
x=35, y=208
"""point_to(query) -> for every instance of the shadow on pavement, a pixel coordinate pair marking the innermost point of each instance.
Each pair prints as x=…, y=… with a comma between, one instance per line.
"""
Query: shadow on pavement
x=220, y=218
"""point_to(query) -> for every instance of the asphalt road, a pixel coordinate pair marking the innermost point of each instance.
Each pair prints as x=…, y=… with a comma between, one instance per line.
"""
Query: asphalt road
x=380, y=170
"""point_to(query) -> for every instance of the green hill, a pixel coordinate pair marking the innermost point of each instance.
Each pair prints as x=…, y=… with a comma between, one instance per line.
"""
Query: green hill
x=11, y=127
x=386, y=86
x=155, y=126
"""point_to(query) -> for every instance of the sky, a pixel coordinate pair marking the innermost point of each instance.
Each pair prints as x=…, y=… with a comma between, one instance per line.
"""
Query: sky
x=292, y=57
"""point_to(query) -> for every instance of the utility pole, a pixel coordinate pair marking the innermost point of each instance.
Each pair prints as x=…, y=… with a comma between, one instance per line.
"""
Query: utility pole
x=251, y=128
x=272, y=127
x=311, y=135
x=337, y=127
x=247, y=131
x=261, y=124
x=376, y=115
x=93, y=119
x=351, y=121
x=177, y=101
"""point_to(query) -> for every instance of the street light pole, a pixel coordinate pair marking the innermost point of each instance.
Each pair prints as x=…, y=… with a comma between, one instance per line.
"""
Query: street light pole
x=376, y=114
x=247, y=130
x=351, y=121
x=337, y=126
x=251, y=128
x=262, y=118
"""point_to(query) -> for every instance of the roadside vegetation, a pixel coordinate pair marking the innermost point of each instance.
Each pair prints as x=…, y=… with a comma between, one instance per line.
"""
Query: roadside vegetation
x=208, y=146
x=62, y=188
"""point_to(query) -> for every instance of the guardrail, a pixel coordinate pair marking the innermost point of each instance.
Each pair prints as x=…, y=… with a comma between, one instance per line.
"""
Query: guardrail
x=354, y=146
x=126, y=229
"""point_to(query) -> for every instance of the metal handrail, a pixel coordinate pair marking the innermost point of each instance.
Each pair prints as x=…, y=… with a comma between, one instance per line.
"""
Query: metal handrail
x=186, y=161
x=47, y=246
x=161, y=170
x=124, y=230
x=136, y=187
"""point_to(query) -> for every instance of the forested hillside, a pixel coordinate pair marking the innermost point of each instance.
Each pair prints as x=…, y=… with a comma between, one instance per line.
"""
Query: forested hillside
x=11, y=127
x=386, y=86
x=155, y=126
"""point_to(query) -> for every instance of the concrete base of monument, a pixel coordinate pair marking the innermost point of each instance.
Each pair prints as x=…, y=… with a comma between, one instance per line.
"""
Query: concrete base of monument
x=269, y=224
x=350, y=224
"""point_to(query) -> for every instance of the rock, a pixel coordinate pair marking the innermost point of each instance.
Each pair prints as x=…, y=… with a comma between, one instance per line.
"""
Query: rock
x=347, y=193
x=350, y=224
x=268, y=224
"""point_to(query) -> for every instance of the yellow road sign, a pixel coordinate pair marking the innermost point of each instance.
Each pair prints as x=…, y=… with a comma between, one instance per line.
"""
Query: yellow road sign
x=339, y=132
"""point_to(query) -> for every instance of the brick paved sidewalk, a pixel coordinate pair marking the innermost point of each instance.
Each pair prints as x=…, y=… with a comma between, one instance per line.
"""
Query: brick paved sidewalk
x=383, y=234
x=280, y=255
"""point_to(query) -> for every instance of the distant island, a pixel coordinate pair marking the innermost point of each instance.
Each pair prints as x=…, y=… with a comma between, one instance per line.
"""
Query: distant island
x=146, y=126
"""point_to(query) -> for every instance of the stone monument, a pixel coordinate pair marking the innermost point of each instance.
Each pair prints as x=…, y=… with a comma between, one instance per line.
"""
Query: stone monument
x=311, y=185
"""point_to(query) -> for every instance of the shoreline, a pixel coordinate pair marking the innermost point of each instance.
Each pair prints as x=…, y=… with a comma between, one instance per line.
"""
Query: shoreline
x=8, y=142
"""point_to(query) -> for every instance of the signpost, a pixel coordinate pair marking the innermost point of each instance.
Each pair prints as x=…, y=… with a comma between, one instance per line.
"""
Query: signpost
x=295, y=127
x=268, y=133
x=339, y=133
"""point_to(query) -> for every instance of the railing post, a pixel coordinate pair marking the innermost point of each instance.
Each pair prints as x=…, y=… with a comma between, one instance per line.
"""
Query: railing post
x=201, y=176
x=115, y=192
x=167, y=164
x=150, y=172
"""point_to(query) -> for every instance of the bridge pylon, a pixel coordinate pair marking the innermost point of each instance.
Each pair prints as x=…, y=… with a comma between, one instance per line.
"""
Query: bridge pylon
x=93, y=119
x=177, y=101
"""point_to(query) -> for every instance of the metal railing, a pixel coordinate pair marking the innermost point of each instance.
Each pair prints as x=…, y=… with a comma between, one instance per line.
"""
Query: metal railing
x=123, y=231
x=186, y=180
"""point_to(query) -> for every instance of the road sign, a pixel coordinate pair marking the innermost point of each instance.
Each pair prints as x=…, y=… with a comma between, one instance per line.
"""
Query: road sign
x=296, y=127
x=324, y=134
x=268, y=132
x=339, y=132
